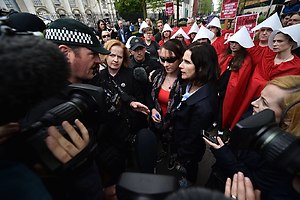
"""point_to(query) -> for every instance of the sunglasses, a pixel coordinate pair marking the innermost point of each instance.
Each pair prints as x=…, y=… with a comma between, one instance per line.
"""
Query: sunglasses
x=105, y=36
x=169, y=60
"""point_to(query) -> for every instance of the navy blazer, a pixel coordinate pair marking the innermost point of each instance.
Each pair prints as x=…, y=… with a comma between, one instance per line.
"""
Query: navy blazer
x=198, y=112
x=127, y=33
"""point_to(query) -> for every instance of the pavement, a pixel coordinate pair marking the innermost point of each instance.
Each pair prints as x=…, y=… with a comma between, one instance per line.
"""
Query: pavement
x=204, y=169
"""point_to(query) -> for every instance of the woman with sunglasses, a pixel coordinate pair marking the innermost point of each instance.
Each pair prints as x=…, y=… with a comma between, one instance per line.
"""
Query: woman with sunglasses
x=165, y=93
x=197, y=109
x=105, y=36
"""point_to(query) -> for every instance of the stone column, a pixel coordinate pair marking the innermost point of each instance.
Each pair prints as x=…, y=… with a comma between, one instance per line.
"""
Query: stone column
x=50, y=7
x=67, y=7
x=30, y=6
x=80, y=6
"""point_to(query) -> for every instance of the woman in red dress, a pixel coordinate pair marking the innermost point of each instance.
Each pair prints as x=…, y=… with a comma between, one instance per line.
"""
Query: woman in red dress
x=217, y=41
x=283, y=63
x=236, y=69
x=165, y=34
x=261, y=47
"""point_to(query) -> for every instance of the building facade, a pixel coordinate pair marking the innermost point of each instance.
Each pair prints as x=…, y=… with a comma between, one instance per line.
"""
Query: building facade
x=86, y=11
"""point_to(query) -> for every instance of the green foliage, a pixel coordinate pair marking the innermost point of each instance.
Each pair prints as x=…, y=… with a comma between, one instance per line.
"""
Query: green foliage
x=182, y=23
x=128, y=6
x=156, y=4
x=260, y=19
x=129, y=9
x=135, y=33
x=205, y=6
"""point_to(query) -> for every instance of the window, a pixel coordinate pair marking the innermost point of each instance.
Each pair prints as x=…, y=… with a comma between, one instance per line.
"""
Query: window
x=8, y=4
x=72, y=3
x=85, y=3
x=56, y=2
x=104, y=5
x=11, y=4
x=37, y=2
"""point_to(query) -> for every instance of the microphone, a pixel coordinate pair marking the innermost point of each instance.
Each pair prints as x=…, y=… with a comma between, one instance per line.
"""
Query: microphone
x=140, y=75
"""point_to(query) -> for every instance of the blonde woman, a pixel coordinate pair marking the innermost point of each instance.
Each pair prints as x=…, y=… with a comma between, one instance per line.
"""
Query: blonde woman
x=274, y=183
x=122, y=124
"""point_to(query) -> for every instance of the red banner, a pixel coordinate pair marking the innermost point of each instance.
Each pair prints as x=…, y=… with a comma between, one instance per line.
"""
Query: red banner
x=250, y=21
x=229, y=8
x=169, y=8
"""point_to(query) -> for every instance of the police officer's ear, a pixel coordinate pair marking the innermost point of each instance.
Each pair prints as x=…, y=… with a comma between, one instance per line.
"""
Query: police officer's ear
x=65, y=50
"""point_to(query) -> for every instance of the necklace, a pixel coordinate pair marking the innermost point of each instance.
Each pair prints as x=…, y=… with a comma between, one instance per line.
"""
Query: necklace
x=170, y=85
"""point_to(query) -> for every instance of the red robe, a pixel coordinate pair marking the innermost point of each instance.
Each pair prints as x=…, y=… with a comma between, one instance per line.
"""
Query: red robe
x=186, y=29
x=236, y=89
x=264, y=72
x=219, y=45
x=161, y=42
x=258, y=52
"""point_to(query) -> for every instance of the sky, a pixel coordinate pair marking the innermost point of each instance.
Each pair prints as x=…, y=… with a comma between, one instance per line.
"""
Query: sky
x=215, y=4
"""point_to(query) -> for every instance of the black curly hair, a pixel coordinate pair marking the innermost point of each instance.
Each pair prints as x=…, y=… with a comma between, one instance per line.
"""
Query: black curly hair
x=32, y=69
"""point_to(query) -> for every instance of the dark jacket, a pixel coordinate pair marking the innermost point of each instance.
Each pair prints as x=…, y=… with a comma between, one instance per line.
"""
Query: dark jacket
x=126, y=33
x=157, y=37
x=148, y=64
x=84, y=181
x=274, y=183
x=192, y=116
x=126, y=81
x=121, y=126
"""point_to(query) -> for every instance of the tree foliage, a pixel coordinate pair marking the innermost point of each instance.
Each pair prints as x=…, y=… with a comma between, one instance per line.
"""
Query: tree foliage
x=205, y=6
x=156, y=4
x=129, y=9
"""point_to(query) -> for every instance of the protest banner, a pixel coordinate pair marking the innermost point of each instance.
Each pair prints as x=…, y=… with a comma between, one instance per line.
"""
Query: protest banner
x=169, y=8
x=229, y=9
x=249, y=21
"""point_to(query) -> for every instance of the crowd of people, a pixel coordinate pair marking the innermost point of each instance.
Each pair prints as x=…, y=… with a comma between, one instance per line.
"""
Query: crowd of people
x=167, y=86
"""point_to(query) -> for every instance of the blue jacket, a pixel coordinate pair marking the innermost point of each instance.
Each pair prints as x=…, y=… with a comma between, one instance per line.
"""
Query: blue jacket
x=126, y=33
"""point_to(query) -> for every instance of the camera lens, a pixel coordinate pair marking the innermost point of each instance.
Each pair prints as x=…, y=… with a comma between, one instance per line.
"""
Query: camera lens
x=280, y=147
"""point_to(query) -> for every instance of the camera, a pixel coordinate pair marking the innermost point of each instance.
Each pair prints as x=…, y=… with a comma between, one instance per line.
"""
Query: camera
x=114, y=96
x=83, y=99
x=138, y=186
x=260, y=132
